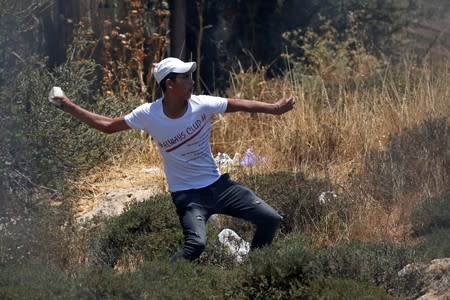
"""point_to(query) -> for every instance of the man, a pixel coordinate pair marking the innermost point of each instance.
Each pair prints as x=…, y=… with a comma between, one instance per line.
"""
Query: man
x=180, y=123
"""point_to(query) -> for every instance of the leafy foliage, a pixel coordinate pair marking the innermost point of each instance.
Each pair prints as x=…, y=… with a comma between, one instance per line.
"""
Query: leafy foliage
x=278, y=271
x=33, y=282
x=331, y=54
x=378, y=22
x=431, y=214
x=416, y=158
x=297, y=200
x=155, y=279
x=150, y=228
x=289, y=269
x=434, y=244
x=293, y=269
x=40, y=147
x=43, y=147
x=343, y=288
x=368, y=262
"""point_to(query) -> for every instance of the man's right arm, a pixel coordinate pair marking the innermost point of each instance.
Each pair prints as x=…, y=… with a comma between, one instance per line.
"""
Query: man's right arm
x=99, y=122
x=280, y=107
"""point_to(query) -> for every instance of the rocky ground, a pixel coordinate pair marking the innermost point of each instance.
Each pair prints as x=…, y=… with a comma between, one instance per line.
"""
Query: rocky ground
x=433, y=279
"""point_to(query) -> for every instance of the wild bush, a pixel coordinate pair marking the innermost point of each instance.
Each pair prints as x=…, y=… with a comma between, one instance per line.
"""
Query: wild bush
x=344, y=288
x=434, y=244
x=44, y=147
x=278, y=272
x=150, y=229
x=156, y=279
x=414, y=161
x=35, y=281
x=294, y=268
x=335, y=56
x=101, y=282
x=377, y=263
x=293, y=195
x=432, y=214
x=305, y=204
x=41, y=146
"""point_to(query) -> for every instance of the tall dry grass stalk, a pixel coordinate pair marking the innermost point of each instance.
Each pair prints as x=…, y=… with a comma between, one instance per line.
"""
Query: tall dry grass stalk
x=346, y=132
x=336, y=126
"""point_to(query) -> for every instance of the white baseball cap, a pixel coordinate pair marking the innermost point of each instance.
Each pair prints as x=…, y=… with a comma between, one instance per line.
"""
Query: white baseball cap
x=172, y=64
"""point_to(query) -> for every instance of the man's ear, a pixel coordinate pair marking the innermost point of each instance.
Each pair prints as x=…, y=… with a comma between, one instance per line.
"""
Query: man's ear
x=169, y=83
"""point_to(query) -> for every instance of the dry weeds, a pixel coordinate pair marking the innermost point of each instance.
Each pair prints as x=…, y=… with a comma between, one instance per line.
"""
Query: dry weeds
x=126, y=171
x=329, y=134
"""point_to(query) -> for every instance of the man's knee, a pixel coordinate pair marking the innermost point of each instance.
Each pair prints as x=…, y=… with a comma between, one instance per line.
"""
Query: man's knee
x=273, y=220
x=269, y=218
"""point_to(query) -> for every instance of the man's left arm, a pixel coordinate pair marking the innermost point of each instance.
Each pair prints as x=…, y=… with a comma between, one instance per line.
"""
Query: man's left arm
x=277, y=108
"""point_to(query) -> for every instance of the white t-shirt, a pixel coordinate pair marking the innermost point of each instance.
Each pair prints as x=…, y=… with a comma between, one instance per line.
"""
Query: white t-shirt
x=184, y=142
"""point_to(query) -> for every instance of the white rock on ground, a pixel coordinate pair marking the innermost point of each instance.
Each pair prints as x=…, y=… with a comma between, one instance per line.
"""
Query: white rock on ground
x=234, y=244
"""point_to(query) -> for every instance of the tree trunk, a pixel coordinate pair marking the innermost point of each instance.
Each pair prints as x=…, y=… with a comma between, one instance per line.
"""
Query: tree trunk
x=178, y=28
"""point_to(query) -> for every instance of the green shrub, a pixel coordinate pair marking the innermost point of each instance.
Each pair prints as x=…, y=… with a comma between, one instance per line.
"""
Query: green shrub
x=35, y=281
x=339, y=288
x=435, y=244
x=297, y=200
x=150, y=228
x=366, y=262
x=293, y=268
x=277, y=272
x=185, y=280
x=431, y=214
x=156, y=279
x=331, y=54
x=44, y=146
x=35, y=137
x=290, y=269
x=100, y=282
x=414, y=161
x=295, y=197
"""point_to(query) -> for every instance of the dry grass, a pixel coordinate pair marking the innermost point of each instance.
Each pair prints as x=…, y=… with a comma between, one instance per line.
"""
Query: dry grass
x=329, y=134
x=125, y=171
x=334, y=128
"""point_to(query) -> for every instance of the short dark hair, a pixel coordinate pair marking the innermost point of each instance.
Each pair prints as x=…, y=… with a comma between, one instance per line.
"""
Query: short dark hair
x=172, y=76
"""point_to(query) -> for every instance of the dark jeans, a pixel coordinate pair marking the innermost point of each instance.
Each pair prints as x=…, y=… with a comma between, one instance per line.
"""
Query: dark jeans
x=194, y=207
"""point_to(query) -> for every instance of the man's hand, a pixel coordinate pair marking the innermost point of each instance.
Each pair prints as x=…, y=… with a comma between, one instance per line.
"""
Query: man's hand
x=283, y=105
x=59, y=101
x=55, y=96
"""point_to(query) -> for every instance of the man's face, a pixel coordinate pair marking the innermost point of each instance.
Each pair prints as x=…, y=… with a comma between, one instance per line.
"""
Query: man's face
x=183, y=85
